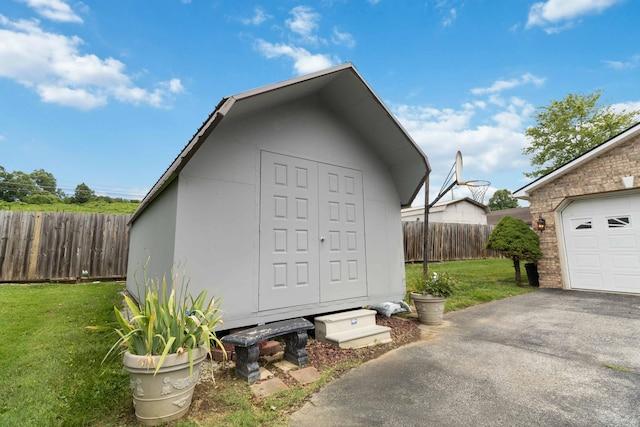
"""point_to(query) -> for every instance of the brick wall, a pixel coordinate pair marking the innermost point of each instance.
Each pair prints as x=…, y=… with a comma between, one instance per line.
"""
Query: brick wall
x=602, y=174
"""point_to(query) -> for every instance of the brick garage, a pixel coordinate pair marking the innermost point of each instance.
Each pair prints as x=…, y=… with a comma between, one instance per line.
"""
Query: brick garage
x=592, y=236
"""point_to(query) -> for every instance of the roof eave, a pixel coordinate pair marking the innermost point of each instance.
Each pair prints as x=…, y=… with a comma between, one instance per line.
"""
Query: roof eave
x=524, y=192
x=187, y=152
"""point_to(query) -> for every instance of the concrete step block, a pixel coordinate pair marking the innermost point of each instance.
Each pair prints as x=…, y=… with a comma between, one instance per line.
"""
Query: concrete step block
x=340, y=322
x=360, y=337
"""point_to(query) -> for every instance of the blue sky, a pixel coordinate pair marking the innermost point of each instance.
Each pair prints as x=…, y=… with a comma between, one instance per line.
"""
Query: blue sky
x=108, y=92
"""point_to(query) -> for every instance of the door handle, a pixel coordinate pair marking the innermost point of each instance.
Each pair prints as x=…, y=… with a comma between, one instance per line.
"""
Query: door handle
x=322, y=239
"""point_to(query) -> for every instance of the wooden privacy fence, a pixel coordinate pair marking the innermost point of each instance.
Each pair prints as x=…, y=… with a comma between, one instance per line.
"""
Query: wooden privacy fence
x=37, y=246
x=41, y=246
x=447, y=241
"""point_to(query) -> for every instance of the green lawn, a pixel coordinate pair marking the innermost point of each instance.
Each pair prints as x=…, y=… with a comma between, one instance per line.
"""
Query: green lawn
x=479, y=281
x=50, y=363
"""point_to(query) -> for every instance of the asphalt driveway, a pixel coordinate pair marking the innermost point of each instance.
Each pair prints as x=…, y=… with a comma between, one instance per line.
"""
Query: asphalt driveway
x=547, y=358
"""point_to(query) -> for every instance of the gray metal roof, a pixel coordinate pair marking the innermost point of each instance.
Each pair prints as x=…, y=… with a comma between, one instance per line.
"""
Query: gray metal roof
x=340, y=89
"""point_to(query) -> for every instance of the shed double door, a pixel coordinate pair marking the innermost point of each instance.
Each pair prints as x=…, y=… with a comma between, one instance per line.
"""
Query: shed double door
x=311, y=232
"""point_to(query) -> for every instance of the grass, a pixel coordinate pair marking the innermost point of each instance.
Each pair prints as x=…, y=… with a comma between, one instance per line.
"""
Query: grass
x=50, y=363
x=479, y=281
x=95, y=206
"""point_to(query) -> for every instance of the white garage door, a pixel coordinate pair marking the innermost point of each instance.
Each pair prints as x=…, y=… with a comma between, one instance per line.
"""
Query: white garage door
x=602, y=241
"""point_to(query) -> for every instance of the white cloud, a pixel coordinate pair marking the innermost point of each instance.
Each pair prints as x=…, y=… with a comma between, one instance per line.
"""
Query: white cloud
x=344, y=39
x=78, y=98
x=173, y=86
x=630, y=63
x=304, y=61
x=626, y=106
x=304, y=23
x=501, y=85
x=448, y=19
x=55, y=10
x=259, y=16
x=490, y=141
x=556, y=15
x=53, y=66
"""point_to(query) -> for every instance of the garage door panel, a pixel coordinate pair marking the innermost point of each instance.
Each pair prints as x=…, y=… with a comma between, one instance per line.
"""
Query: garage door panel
x=630, y=261
x=590, y=280
x=626, y=282
x=584, y=243
x=588, y=261
x=602, y=243
x=627, y=241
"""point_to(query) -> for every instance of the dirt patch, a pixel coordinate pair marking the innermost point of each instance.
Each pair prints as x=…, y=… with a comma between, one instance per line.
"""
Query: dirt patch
x=322, y=356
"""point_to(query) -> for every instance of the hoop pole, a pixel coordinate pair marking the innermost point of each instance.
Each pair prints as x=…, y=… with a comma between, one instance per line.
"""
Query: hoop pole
x=442, y=193
x=425, y=233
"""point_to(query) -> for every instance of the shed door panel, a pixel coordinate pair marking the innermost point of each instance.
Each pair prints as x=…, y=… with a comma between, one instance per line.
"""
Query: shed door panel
x=602, y=243
x=342, y=249
x=288, y=232
x=311, y=233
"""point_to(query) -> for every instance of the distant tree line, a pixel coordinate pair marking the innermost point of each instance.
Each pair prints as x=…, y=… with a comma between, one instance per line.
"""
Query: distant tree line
x=41, y=187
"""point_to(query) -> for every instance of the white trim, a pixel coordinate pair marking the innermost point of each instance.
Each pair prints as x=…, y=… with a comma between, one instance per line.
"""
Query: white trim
x=524, y=192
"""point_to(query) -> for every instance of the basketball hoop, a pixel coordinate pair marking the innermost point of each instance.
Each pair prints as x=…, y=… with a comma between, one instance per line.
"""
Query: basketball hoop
x=478, y=188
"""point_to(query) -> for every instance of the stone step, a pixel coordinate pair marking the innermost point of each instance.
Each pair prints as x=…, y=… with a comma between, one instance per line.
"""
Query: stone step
x=360, y=337
x=332, y=324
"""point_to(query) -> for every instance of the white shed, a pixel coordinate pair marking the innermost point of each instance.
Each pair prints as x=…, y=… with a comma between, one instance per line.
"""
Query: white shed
x=286, y=202
x=459, y=211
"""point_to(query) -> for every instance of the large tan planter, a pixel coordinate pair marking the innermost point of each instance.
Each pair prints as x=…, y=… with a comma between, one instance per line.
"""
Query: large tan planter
x=430, y=308
x=167, y=395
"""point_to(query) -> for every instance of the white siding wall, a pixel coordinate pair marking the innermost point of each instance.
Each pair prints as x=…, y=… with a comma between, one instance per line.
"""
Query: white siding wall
x=461, y=213
x=152, y=236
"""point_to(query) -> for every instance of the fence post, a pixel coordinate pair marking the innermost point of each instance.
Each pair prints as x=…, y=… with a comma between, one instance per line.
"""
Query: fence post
x=35, y=247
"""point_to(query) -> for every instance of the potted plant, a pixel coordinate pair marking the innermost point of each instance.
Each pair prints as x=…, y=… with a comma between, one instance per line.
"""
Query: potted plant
x=429, y=294
x=163, y=338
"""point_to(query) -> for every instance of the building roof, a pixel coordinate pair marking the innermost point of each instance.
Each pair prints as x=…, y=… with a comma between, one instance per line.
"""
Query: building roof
x=340, y=89
x=523, y=213
x=440, y=206
x=524, y=192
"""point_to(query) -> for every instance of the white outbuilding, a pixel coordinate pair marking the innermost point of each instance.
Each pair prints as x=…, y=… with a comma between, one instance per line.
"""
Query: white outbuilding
x=286, y=202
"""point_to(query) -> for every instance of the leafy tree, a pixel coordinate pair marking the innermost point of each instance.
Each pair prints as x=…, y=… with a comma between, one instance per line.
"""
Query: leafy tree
x=45, y=181
x=514, y=239
x=83, y=193
x=502, y=199
x=18, y=186
x=570, y=127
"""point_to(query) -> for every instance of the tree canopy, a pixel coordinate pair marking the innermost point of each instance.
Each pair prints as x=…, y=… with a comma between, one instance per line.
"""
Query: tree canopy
x=18, y=186
x=513, y=238
x=83, y=193
x=502, y=199
x=570, y=127
x=41, y=187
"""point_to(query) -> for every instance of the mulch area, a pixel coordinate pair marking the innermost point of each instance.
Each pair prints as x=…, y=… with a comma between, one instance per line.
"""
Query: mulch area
x=403, y=331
